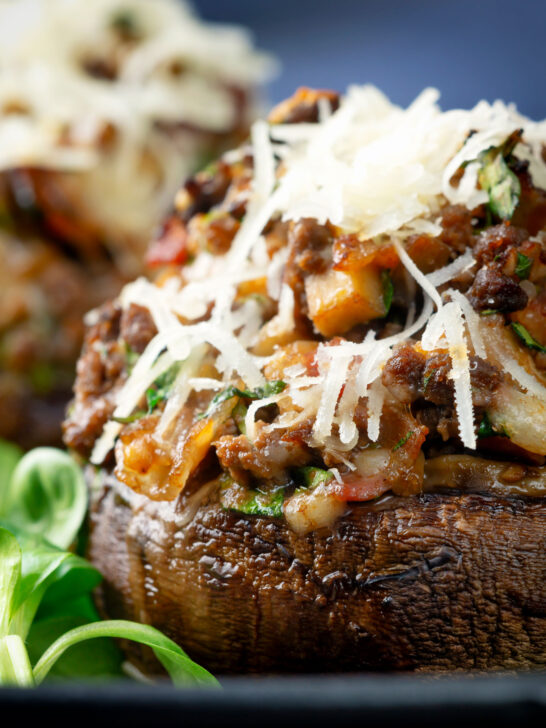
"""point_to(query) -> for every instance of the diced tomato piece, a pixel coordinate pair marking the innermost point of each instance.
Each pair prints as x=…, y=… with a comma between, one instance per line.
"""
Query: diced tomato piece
x=171, y=247
x=359, y=488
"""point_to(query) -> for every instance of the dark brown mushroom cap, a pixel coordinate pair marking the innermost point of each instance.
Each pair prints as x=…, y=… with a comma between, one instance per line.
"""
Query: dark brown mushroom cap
x=433, y=582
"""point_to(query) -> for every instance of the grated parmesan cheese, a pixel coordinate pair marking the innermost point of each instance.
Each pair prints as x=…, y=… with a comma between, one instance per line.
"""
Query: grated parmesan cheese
x=472, y=321
x=461, y=264
x=369, y=168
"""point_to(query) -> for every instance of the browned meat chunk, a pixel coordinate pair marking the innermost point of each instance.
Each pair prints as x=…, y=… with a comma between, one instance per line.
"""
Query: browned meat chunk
x=495, y=241
x=410, y=376
x=403, y=374
x=266, y=458
x=100, y=370
x=457, y=232
x=494, y=291
x=137, y=328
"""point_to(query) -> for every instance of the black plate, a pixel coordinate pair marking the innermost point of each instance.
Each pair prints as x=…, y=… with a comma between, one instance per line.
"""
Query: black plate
x=359, y=701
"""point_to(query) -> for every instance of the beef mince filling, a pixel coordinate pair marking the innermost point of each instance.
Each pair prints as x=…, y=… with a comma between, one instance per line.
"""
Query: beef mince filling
x=277, y=367
x=317, y=439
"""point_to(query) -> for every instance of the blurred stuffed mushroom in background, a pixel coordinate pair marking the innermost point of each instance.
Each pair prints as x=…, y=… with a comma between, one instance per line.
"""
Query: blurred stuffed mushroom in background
x=104, y=108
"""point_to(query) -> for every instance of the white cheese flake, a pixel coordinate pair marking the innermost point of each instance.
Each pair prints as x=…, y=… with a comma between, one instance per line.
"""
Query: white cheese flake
x=461, y=264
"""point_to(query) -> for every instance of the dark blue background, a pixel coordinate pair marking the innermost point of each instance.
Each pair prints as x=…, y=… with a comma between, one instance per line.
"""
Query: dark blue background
x=469, y=49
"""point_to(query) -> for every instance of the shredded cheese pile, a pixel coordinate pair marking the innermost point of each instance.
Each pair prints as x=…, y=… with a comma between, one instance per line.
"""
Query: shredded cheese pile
x=370, y=168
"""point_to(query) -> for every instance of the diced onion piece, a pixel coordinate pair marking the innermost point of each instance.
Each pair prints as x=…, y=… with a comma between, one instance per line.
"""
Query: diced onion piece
x=522, y=417
x=317, y=508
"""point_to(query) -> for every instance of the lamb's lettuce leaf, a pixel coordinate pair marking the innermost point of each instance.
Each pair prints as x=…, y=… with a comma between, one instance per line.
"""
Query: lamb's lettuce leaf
x=46, y=610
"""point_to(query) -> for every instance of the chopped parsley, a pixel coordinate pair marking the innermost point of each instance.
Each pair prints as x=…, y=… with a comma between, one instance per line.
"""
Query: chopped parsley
x=523, y=266
x=131, y=356
x=426, y=379
x=131, y=418
x=159, y=391
x=388, y=290
x=239, y=413
x=268, y=390
x=525, y=336
x=486, y=429
x=402, y=441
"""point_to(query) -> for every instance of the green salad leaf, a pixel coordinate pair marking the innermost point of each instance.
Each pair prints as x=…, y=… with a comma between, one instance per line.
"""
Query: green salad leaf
x=9, y=457
x=46, y=608
x=97, y=658
x=10, y=574
x=47, y=496
x=181, y=668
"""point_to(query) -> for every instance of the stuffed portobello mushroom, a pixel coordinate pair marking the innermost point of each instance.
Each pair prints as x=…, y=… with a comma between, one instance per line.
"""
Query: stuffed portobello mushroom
x=317, y=440
x=105, y=107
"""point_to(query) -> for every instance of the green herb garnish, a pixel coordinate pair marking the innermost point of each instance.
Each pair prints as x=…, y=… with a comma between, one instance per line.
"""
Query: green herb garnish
x=486, y=429
x=268, y=390
x=239, y=413
x=426, y=379
x=489, y=311
x=130, y=418
x=131, y=356
x=160, y=389
x=388, y=290
x=498, y=180
x=523, y=266
x=157, y=393
x=45, y=590
x=526, y=337
x=402, y=441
